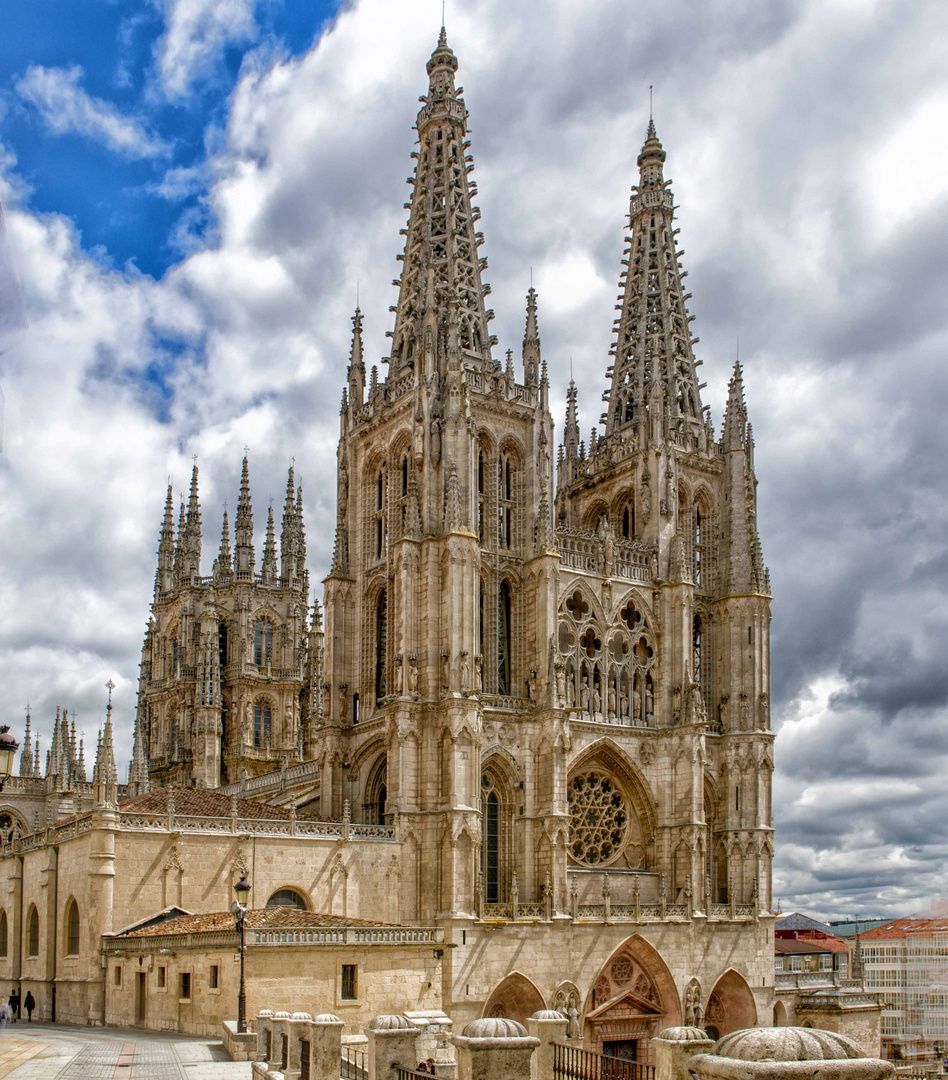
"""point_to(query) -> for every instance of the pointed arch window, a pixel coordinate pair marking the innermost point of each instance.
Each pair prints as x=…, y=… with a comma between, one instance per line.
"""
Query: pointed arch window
x=381, y=538
x=262, y=642
x=381, y=633
x=222, y=646
x=698, y=546
x=504, y=654
x=4, y=935
x=699, y=657
x=495, y=837
x=376, y=794
x=481, y=496
x=261, y=724
x=33, y=932
x=627, y=520
x=507, y=482
x=72, y=929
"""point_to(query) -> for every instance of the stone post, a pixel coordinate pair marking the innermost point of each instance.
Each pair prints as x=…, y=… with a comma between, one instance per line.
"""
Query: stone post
x=279, y=1028
x=391, y=1043
x=674, y=1046
x=493, y=1047
x=547, y=1027
x=324, y=1033
x=297, y=1028
x=264, y=1034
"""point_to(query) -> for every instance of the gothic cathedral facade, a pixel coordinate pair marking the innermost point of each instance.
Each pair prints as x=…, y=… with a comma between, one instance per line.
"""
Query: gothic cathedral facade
x=546, y=669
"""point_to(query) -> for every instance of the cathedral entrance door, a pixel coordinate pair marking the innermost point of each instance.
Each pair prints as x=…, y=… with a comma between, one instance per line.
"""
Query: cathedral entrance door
x=626, y=1049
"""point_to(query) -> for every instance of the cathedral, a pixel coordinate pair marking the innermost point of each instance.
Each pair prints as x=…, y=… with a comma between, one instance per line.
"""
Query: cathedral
x=540, y=671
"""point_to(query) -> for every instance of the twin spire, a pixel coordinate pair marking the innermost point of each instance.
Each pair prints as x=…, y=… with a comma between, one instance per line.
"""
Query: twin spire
x=179, y=557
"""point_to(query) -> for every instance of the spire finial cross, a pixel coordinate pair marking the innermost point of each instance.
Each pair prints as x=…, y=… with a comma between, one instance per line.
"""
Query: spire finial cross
x=650, y=101
x=110, y=686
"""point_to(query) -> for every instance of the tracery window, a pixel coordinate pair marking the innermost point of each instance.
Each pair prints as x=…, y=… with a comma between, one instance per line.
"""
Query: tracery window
x=698, y=545
x=261, y=723
x=627, y=520
x=33, y=932
x=262, y=642
x=507, y=484
x=599, y=817
x=381, y=538
x=481, y=497
x=381, y=633
x=376, y=794
x=4, y=934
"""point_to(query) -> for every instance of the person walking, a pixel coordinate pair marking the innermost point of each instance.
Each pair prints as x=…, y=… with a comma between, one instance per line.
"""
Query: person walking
x=14, y=1005
x=30, y=1002
x=4, y=1014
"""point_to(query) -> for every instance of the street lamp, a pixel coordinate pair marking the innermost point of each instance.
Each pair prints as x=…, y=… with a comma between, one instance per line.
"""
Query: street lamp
x=8, y=749
x=242, y=889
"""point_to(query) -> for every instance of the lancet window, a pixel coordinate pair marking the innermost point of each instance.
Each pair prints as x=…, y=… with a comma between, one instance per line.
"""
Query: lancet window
x=262, y=642
x=261, y=723
x=481, y=496
x=507, y=481
x=504, y=641
x=380, y=539
x=376, y=794
x=496, y=822
x=381, y=633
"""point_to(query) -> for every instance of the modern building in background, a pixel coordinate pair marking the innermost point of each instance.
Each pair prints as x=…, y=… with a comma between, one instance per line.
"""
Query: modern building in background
x=532, y=716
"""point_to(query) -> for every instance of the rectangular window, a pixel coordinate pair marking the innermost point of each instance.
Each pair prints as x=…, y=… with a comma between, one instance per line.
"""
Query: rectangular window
x=161, y=978
x=184, y=985
x=348, y=992
x=212, y=978
x=117, y=976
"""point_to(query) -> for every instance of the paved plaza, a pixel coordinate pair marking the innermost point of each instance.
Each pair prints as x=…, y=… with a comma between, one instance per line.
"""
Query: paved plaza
x=66, y=1052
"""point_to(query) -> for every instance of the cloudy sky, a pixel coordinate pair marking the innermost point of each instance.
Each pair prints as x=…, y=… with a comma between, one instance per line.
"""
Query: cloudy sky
x=195, y=189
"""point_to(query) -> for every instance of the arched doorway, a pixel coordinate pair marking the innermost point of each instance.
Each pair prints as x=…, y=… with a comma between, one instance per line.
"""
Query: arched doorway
x=514, y=997
x=780, y=1014
x=730, y=1006
x=632, y=999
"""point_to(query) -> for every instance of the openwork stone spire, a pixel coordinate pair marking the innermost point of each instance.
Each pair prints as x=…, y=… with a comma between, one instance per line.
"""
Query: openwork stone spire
x=356, y=374
x=269, y=552
x=243, y=525
x=441, y=315
x=192, y=530
x=224, y=562
x=165, y=578
x=653, y=368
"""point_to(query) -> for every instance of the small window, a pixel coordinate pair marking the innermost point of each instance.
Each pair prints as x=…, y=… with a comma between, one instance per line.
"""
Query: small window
x=161, y=978
x=72, y=929
x=287, y=898
x=261, y=724
x=33, y=933
x=348, y=992
x=212, y=979
x=184, y=985
x=4, y=945
x=117, y=976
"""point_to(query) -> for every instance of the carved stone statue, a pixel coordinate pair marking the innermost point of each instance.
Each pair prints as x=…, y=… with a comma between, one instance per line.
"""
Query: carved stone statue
x=465, y=673
x=560, y=684
x=584, y=695
x=478, y=672
x=596, y=699
x=649, y=705
x=413, y=674
x=612, y=699
x=571, y=692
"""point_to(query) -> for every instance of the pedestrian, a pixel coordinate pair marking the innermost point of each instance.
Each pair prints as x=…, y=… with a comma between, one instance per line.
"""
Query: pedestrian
x=4, y=1014
x=14, y=1005
x=30, y=1002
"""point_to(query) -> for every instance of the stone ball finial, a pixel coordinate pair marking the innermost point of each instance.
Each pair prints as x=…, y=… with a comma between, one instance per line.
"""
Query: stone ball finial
x=281, y=1016
x=494, y=1027
x=265, y=1014
x=301, y=1016
x=684, y=1034
x=547, y=1014
x=390, y=1022
x=786, y=1044
x=323, y=1018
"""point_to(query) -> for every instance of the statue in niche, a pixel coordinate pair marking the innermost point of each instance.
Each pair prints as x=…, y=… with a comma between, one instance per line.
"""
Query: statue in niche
x=343, y=702
x=532, y=685
x=445, y=671
x=623, y=702
x=744, y=711
x=722, y=712
x=397, y=674
x=435, y=440
x=697, y=703
x=478, y=672
x=596, y=699
x=612, y=700
x=572, y=1014
x=560, y=684
x=465, y=673
x=676, y=704
x=584, y=695
x=571, y=692
x=649, y=705
x=413, y=674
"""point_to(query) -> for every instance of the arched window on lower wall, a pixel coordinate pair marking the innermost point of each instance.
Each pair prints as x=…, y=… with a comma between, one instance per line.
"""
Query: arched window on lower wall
x=4, y=935
x=72, y=928
x=496, y=824
x=504, y=664
x=287, y=898
x=33, y=932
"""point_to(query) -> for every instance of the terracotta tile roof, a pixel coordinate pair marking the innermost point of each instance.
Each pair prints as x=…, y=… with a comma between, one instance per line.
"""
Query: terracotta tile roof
x=202, y=803
x=271, y=918
x=900, y=928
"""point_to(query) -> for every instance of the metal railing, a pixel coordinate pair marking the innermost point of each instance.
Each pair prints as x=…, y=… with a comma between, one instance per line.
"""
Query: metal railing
x=407, y=1074
x=353, y=1065
x=575, y=1063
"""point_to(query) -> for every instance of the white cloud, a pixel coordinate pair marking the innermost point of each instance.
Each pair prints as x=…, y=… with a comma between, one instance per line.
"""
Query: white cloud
x=196, y=34
x=65, y=107
x=245, y=341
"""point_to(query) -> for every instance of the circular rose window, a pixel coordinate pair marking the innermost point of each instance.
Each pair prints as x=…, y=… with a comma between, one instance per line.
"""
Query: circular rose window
x=598, y=818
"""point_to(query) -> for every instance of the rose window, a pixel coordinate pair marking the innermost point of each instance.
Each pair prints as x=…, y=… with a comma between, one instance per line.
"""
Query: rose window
x=598, y=818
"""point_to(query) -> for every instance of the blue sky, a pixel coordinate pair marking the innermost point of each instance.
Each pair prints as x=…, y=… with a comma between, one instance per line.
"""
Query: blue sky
x=195, y=189
x=115, y=198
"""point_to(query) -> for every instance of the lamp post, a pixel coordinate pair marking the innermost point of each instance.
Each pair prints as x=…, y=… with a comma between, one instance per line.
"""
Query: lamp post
x=242, y=889
x=8, y=749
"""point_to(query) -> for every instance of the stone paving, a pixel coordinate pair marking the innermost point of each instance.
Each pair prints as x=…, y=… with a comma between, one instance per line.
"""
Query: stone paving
x=66, y=1052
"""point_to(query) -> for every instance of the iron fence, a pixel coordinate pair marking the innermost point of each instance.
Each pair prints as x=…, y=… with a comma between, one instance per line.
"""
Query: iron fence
x=575, y=1063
